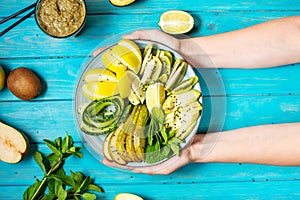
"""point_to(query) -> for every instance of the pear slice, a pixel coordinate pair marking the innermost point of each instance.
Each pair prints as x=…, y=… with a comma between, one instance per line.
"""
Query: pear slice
x=112, y=147
x=13, y=144
x=105, y=147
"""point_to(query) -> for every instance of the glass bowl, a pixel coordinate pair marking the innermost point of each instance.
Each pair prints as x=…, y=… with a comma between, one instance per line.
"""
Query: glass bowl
x=94, y=143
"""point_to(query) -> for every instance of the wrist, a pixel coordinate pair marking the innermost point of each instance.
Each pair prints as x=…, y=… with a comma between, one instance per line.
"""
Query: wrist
x=195, y=53
x=202, y=150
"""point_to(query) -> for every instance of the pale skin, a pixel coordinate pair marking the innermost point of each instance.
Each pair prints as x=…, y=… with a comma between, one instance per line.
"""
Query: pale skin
x=270, y=44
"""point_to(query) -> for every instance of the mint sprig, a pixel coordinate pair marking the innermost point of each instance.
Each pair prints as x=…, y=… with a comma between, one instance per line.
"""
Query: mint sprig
x=161, y=143
x=56, y=182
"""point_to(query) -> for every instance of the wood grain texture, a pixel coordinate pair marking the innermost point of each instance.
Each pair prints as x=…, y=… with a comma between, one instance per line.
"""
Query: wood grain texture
x=26, y=172
x=238, y=190
x=247, y=97
x=150, y=6
x=48, y=119
x=27, y=37
x=60, y=76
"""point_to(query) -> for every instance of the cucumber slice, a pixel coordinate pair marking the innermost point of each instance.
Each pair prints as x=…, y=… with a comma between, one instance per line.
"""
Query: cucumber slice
x=102, y=116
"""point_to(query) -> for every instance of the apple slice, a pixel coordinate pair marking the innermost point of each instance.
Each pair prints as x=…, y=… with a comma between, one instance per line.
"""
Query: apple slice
x=13, y=144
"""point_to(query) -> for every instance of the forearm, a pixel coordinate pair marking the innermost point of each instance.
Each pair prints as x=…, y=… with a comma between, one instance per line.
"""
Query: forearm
x=267, y=144
x=269, y=44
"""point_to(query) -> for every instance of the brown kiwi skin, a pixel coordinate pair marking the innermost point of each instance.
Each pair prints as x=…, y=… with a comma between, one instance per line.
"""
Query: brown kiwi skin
x=24, y=83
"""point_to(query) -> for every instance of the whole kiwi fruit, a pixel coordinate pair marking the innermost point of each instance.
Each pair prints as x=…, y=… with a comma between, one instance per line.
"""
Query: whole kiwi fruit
x=24, y=83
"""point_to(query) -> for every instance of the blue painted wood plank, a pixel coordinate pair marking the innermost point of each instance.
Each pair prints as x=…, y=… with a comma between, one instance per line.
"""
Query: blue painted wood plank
x=279, y=80
x=248, y=93
x=195, y=191
x=103, y=6
x=44, y=119
x=27, y=171
x=26, y=40
x=60, y=76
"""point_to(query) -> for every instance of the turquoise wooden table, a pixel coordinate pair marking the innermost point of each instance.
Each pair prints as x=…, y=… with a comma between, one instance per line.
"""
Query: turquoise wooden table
x=252, y=97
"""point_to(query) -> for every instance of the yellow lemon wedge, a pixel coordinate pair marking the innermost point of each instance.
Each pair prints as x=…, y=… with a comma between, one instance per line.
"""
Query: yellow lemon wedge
x=128, y=83
x=176, y=22
x=2, y=78
x=127, y=196
x=100, y=74
x=155, y=96
x=133, y=47
x=113, y=64
x=127, y=57
x=99, y=90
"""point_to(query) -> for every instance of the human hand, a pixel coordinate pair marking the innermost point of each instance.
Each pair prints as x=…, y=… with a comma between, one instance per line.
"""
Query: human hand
x=189, y=48
x=152, y=35
x=155, y=36
x=187, y=155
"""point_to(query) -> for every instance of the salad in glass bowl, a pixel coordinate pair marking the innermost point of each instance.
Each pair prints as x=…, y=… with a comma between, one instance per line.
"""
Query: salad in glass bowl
x=137, y=103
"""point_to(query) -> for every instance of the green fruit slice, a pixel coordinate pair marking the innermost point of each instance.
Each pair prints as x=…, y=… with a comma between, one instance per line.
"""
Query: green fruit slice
x=185, y=85
x=152, y=71
x=176, y=75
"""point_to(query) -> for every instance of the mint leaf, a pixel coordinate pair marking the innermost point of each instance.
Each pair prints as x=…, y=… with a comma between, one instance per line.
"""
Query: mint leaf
x=165, y=151
x=150, y=132
x=89, y=196
x=176, y=140
x=78, y=154
x=34, y=191
x=53, y=158
x=175, y=148
x=164, y=134
x=77, y=178
x=66, y=180
x=75, y=151
x=67, y=143
x=95, y=188
x=158, y=116
x=55, y=178
x=77, y=198
x=53, y=148
x=41, y=161
x=84, y=185
x=49, y=197
x=58, y=143
x=53, y=186
x=171, y=133
x=62, y=194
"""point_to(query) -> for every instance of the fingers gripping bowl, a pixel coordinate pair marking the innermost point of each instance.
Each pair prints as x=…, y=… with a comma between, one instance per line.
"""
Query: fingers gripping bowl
x=137, y=103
